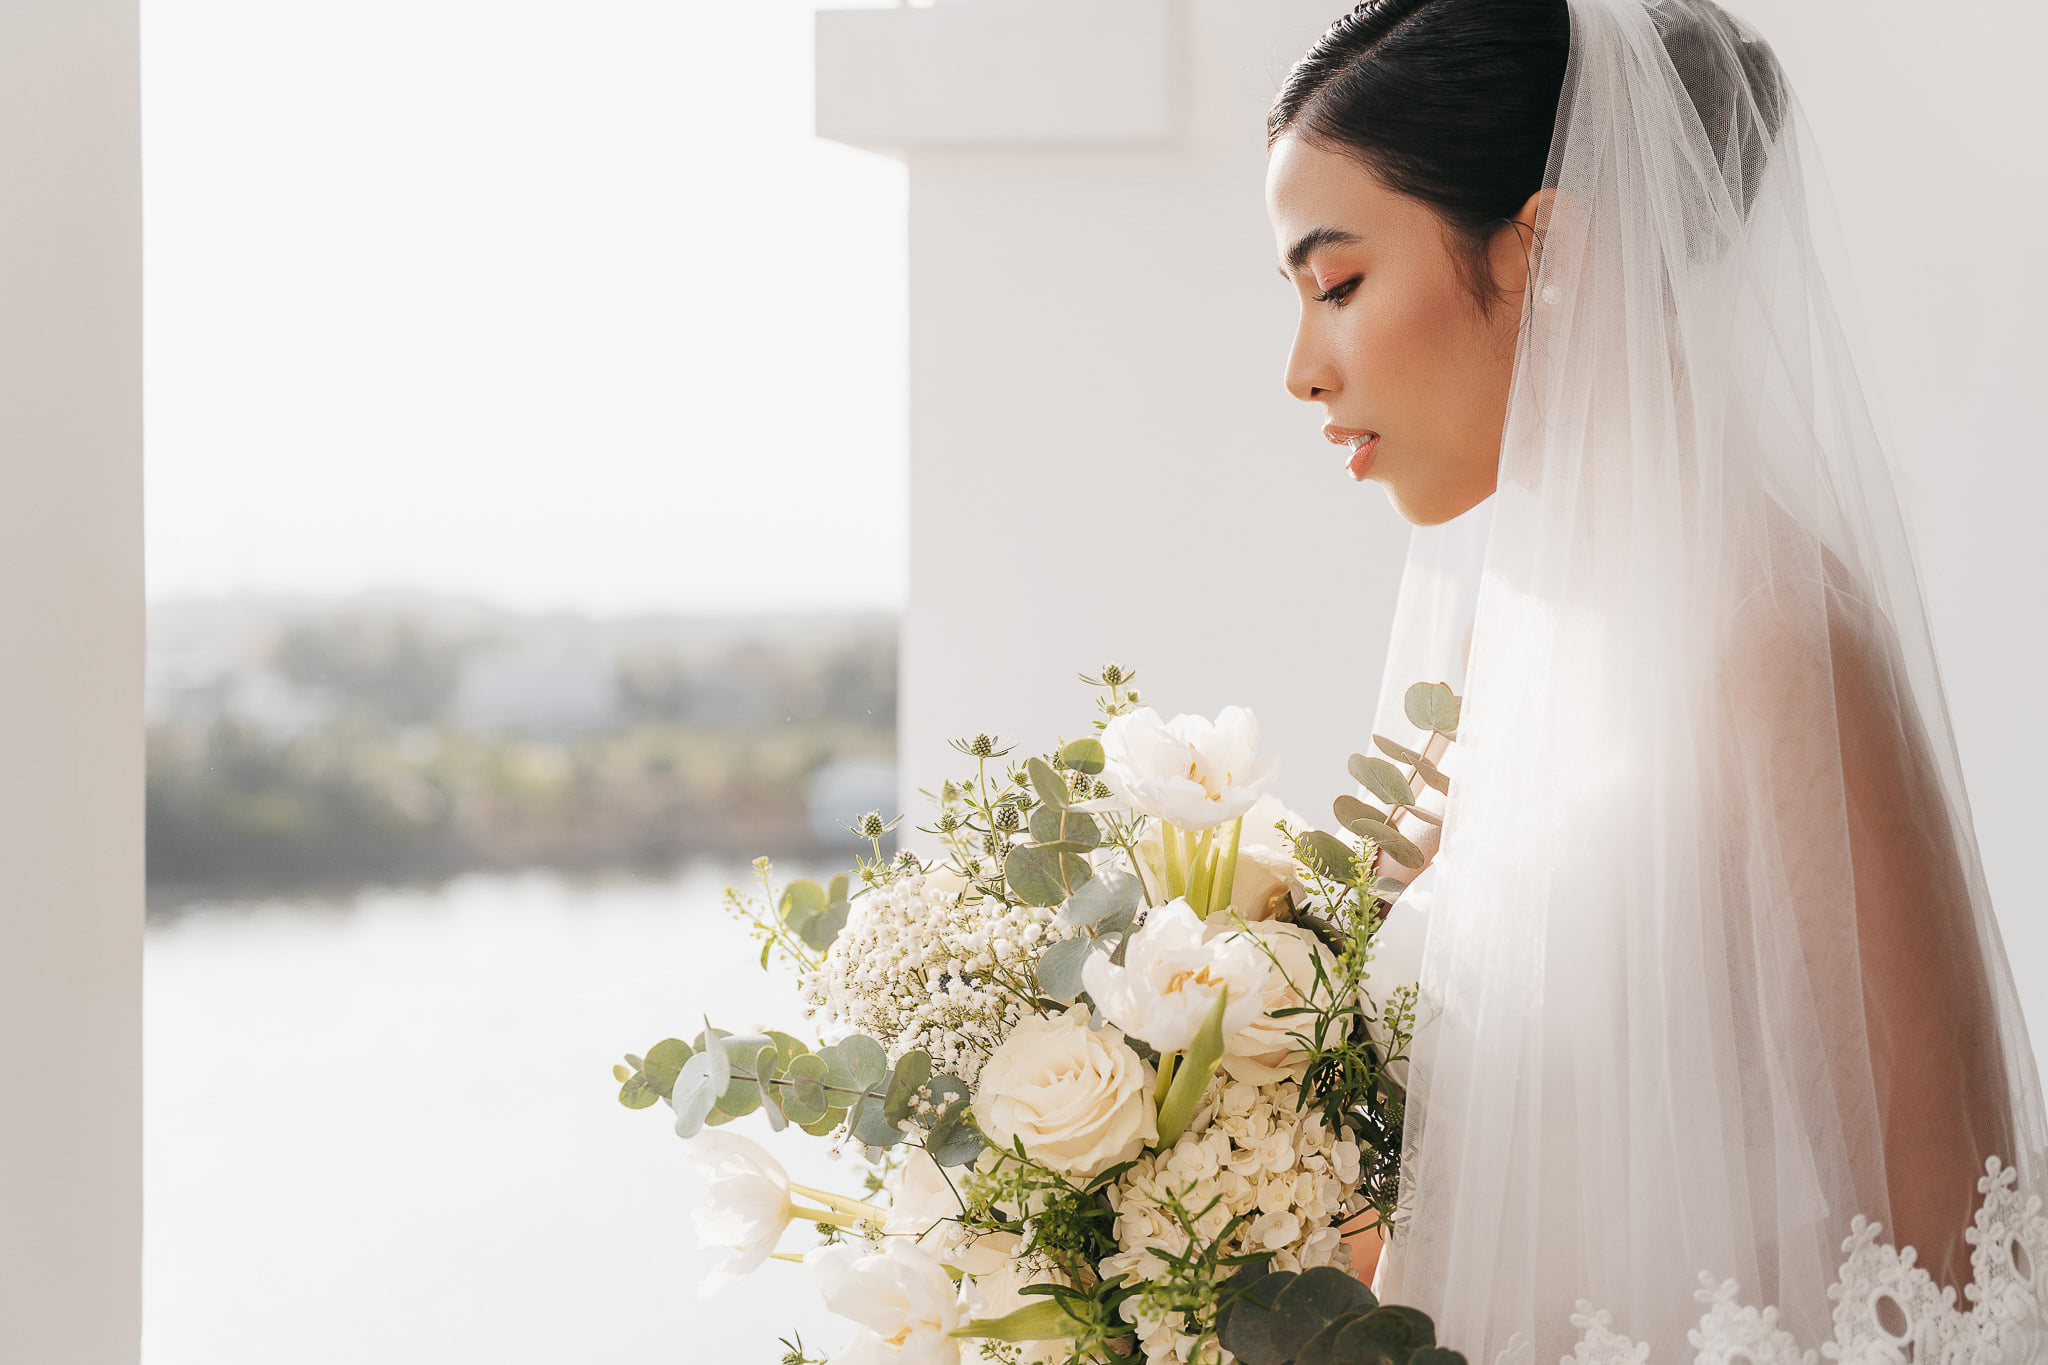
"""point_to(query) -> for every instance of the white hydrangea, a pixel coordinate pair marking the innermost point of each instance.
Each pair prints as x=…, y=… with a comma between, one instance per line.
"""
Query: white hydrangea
x=1280, y=1166
x=918, y=967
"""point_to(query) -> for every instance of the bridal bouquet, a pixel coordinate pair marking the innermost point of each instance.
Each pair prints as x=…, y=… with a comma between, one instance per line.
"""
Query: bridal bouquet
x=1116, y=1061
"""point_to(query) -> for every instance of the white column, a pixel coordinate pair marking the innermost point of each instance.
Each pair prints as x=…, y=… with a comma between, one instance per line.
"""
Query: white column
x=1103, y=462
x=71, y=688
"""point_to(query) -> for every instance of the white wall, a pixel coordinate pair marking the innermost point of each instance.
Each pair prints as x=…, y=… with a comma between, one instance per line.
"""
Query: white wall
x=1104, y=464
x=71, y=690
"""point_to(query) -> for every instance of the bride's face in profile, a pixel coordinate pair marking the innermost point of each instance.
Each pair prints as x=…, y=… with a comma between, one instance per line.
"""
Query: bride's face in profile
x=1392, y=339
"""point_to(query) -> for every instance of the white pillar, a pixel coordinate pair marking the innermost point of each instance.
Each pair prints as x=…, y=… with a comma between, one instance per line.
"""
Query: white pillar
x=71, y=688
x=1103, y=462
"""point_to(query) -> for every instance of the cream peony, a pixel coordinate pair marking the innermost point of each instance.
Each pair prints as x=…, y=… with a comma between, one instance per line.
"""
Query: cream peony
x=1264, y=1052
x=1079, y=1098
x=746, y=1206
x=1168, y=983
x=902, y=1298
x=1190, y=770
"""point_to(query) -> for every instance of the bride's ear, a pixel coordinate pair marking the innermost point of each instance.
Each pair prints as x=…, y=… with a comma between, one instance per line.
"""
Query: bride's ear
x=1519, y=243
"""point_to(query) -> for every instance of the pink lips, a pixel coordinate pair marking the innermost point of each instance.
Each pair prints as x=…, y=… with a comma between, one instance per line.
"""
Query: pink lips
x=1362, y=443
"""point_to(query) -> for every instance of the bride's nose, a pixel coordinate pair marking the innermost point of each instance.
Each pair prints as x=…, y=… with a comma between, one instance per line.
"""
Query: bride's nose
x=1308, y=376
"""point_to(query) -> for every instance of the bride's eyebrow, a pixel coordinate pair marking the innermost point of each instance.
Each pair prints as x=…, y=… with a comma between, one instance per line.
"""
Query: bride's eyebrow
x=1312, y=241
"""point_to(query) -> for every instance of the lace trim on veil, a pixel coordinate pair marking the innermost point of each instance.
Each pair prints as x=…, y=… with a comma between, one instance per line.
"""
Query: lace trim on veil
x=1887, y=1309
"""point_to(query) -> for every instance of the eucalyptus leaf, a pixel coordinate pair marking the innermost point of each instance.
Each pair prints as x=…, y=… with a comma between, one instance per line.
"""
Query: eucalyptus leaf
x=1431, y=774
x=771, y=1103
x=664, y=1060
x=1383, y=780
x=713, y=1045
x=1246, y=1327
x=1397, y=844
x=1050, y=786
x=696, y=1091
x=1386, y=1333
x=1112, y=893
x=913, y=1069
x=955, y=1142
x=1059, y=968
x=871, y=1126
x=1427, y=815
x=1315, y=1299
x=1349, y=810
x=949, y=1096
x=820, y=932
x=824, y=1126
x=835, y=892
x=1400, y=753
x=636, y=1093
x=1330, y=856
x=802, y=902
x=1084, y=756
x=1432, y=706
x=856, y=1062
x=1045, y=877
x=621, y=1073
x=1052, y=824
x=804, y=1100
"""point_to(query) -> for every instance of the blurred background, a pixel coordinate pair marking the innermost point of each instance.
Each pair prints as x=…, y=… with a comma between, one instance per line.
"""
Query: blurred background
x=526, y=498
x=570, y=476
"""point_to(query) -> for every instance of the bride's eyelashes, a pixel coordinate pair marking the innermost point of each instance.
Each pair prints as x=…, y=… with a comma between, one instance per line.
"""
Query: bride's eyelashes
x=1338, y=293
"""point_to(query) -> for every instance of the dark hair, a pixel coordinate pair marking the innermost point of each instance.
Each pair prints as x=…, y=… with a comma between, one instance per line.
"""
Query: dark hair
x=1453, y=102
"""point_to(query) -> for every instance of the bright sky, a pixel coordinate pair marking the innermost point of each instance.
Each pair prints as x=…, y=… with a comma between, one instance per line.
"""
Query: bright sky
x=560, y=304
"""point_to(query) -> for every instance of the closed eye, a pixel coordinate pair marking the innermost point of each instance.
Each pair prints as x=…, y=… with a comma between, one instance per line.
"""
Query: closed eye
x=1338, y=293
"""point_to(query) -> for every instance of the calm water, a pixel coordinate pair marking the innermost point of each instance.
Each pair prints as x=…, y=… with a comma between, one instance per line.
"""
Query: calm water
x=386, y=1130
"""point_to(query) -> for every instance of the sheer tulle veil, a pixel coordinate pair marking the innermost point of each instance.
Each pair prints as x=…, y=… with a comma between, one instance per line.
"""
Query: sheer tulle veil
x=1711, y=960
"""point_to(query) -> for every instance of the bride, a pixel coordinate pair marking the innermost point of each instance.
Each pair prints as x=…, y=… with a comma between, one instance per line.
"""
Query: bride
x=1722, y=1015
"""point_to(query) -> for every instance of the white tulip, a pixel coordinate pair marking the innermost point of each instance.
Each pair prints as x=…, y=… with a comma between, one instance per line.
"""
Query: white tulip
x=747, y=1206
x=1268, y=880
x=902, y=1298
x=1168, y=983
x=1191, y=771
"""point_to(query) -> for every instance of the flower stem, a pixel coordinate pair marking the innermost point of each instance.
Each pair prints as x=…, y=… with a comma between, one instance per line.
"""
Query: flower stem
x=1201, y=872
x=1169, y=843
x=843, y=1203
x=1226, y=867
x=1166, y=1065
x=800, y=1214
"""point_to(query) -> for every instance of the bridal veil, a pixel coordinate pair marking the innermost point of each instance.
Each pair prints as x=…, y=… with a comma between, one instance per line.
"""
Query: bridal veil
x=1711, y=955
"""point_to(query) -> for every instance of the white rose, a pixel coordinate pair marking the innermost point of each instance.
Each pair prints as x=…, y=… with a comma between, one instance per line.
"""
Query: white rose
x=1264, y=1052
x=1164, y=991
x=746, y=1205
x=903, y=1300
x=1193, y=771
x=1079, y=1098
